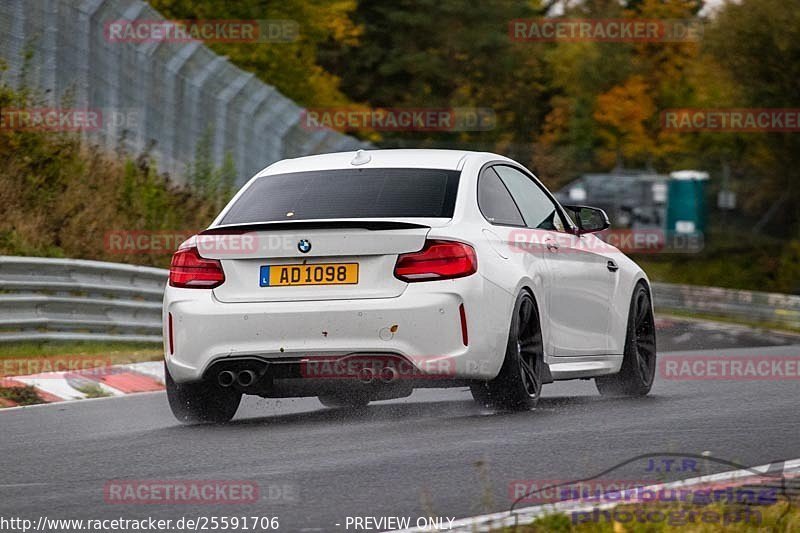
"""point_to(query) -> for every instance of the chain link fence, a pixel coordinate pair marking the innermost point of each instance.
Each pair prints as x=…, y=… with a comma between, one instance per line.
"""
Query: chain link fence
x=156, y=97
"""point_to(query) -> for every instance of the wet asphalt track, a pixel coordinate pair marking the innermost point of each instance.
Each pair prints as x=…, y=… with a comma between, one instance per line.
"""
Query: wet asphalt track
x=435, y=452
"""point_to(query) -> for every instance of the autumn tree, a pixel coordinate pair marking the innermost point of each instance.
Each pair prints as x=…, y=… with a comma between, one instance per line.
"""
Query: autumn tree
x=293, y=67
x=758, y=43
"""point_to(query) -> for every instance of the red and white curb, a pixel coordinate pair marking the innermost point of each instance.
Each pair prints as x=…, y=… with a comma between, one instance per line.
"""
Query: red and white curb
x=769, y=474
x=117, y=380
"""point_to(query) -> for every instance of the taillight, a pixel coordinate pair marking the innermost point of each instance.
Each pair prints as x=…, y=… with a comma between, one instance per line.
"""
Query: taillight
x=437, y=260
x=190, y=271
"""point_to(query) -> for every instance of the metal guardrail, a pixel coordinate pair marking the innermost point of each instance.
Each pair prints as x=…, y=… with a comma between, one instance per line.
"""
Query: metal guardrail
x=766, y=307
x=69, y=299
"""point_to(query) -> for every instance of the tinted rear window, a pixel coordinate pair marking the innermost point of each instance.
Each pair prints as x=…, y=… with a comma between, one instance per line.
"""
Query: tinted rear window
x=349, y=193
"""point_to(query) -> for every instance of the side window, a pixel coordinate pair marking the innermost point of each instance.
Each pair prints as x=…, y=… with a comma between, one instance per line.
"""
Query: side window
x=537, y=209
x=495, y=202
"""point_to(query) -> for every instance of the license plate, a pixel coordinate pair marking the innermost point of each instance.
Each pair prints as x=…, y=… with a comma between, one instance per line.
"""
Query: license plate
x=316, y=274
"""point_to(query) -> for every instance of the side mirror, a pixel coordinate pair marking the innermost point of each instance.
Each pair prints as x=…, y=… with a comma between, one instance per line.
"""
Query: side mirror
x=589, y=219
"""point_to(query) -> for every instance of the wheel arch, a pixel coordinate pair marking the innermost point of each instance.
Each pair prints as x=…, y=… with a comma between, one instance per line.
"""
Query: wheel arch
x=640, y=279
x=620, y=309
x=528, y=288
x=539, y=300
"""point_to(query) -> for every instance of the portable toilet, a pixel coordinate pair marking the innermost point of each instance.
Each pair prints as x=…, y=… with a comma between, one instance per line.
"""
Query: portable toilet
x=686, y=202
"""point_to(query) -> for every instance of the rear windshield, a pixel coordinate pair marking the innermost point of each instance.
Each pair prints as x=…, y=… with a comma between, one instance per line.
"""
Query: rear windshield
x=348, y=193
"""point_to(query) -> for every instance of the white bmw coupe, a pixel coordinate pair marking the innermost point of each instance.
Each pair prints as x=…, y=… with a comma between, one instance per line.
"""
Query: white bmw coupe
x=360, y=276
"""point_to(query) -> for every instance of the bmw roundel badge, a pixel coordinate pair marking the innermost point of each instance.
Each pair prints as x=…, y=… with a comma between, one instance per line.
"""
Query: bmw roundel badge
x=304, y=246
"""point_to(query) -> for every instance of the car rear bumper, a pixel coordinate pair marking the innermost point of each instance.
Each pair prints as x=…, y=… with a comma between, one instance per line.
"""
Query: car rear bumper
x=423, y=325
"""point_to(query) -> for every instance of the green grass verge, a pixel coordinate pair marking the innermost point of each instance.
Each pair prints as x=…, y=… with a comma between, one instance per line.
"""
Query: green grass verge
x=20, y=395
x=733, y=260
x=33, y=357
x=93, y=390
x=40, y=349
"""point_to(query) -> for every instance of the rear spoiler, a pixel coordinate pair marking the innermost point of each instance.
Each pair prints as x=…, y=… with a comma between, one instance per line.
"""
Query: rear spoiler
x=372, y=225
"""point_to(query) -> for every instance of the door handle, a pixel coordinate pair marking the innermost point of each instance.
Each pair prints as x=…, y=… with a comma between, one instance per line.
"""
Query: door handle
x=612, y=266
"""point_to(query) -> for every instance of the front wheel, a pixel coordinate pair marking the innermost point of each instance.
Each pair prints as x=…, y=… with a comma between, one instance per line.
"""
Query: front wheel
x=200, y=402
x=635, y=378
x=519, y=384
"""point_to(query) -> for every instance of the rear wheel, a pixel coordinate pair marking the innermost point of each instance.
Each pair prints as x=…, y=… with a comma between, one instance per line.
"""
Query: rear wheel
x=201, y=402
x=635, y=378
x=519, y=383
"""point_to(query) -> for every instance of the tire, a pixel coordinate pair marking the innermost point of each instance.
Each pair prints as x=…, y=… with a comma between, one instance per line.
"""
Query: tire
x=201, y=402
x=354, y=401
x=636, y=375
x=518, y=385
x=480, y=393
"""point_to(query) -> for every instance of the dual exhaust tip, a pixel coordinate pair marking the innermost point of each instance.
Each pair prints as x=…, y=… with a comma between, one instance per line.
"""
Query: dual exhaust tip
x=243, y=378
x=386, y=375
